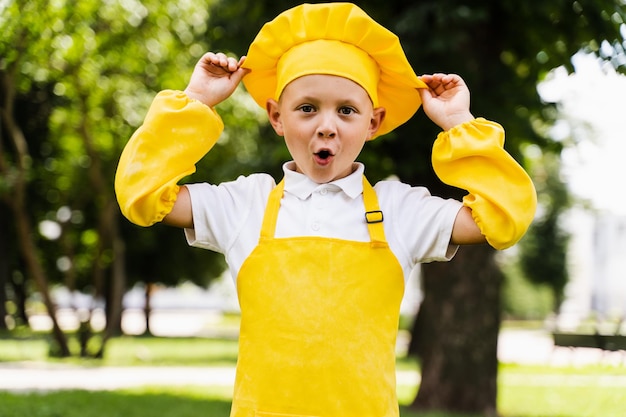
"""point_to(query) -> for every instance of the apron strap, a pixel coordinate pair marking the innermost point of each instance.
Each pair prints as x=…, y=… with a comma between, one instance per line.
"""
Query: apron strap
x=373, y=214
x=268, y=229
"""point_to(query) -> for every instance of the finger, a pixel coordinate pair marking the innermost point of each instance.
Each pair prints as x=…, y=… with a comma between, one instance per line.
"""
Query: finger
x=223, y=59
x=211, y=58
x=430, y=80
x=426, y=78
x=215, y=59
x=207, y=58
x=238, y=75
x=434, y=81
x=452, y=80
x=233, y=64
x=425, y=94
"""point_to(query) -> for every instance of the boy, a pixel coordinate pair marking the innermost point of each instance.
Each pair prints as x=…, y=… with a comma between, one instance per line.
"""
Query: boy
x=320, y=259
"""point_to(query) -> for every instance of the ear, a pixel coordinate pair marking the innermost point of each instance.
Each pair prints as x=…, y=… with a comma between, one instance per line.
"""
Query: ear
x=273, y=113
x=378, y=116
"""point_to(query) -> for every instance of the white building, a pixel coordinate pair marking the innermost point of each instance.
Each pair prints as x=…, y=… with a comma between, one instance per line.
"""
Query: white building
x=592, y=105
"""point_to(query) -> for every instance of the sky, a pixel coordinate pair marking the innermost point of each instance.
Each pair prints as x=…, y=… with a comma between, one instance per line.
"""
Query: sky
x=592, y=106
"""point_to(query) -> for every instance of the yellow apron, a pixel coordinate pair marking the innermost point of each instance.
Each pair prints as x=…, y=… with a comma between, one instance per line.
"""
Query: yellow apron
x=319, y=319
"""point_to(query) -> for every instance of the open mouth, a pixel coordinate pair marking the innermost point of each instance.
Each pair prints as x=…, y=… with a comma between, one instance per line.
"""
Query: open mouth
x=324, y=157
x=323, y=154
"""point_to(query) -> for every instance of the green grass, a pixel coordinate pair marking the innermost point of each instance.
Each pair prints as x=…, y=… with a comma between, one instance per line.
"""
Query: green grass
x=142, y=351
x=130, y=351
x=524, y=391
x=522, y=399
x=23, y=349
x=170, y=402
x=562, y=401
x=544, y=391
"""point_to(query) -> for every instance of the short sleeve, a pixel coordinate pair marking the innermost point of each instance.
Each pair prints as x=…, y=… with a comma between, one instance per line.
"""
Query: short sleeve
x=221, y=213
x=419, y=225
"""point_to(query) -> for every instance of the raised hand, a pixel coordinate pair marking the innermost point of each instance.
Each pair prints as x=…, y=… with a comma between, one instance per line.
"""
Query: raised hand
x=215, y=77
x=447, y=100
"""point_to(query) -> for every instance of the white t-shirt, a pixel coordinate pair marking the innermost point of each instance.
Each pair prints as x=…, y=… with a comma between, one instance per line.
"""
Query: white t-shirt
x=227, y=217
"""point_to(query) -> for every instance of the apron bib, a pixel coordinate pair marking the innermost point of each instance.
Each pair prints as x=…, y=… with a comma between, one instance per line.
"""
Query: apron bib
x=319, y=319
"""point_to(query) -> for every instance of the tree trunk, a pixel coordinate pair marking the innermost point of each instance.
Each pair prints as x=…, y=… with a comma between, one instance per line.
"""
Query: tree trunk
x=118, y=286
x=114, y=296
x=114, y=292
x=18, y=205
x=18, y=285
x=455, y=334
x=108, y=231
x=4, y=267
x=3, y=298
x=36, y=271
x=147, y=309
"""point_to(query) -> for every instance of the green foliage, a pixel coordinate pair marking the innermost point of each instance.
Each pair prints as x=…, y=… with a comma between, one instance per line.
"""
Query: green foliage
x=84, y=75
x=85, y=72
x=108, y=83
x=521, y=298
x=502, y=49
x=543, y=257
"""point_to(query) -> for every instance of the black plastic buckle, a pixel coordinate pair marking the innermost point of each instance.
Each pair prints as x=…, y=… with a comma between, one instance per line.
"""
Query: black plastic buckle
x=375, y=216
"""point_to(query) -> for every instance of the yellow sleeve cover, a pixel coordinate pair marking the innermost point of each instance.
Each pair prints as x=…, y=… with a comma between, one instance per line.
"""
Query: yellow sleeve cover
x=177, y=132
x=502, y=197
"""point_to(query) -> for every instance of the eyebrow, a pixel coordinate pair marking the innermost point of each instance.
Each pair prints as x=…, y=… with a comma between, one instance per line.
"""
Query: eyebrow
x=314, y=99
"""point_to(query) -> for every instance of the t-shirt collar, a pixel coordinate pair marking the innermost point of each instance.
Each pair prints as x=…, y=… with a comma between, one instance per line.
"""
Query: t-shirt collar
x=302, y=186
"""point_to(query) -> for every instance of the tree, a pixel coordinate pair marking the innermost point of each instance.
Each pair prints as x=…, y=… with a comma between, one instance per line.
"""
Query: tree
x=90, y=70
x=543, y=257
x=4, y=270
x=502, y=49
x=16, y=167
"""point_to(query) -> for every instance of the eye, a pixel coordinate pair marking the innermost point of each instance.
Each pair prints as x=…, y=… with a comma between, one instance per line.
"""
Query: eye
x=345, y=110
x=306, y=108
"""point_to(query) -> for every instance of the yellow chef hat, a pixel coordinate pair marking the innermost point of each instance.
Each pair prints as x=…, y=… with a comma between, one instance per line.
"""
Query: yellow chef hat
x=334, y=39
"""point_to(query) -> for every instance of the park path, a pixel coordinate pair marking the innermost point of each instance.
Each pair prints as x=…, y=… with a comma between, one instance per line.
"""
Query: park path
x=21, y=377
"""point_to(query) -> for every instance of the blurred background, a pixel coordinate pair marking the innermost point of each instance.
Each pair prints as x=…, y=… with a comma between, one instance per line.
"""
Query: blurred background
x=76, y=80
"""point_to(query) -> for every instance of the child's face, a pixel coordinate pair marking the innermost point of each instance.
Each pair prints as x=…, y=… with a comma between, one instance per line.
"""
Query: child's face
x=325, y=121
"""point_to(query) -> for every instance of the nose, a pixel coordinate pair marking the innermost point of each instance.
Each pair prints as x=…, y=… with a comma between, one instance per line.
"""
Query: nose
x=325, y=134
x=327, y=127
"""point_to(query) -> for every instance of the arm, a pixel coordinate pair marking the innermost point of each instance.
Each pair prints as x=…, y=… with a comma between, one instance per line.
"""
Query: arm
x=470, y=154
x=179, y=129
x=465, y=230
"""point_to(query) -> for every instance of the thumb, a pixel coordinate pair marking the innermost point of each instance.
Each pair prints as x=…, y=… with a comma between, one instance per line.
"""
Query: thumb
x=427, y=99
x=425, y=95
x=238, y=75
